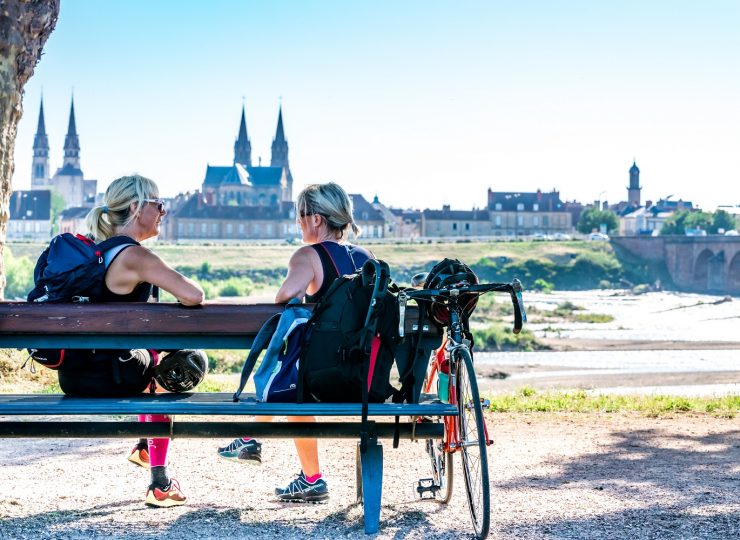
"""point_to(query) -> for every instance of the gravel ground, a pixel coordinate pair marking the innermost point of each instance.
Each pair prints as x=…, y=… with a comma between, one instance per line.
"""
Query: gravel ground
x=553, y=476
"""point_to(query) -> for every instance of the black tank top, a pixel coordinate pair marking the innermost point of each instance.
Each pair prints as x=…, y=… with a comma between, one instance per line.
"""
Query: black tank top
x=336, y=260
x=141, y=292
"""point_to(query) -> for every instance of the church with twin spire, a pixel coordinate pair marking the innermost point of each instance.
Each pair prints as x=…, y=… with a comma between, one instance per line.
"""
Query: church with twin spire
x=241, y=200
x=68, y=180
x=243, y=184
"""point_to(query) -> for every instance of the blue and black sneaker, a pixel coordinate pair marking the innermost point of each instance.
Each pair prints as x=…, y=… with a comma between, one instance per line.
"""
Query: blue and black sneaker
x=301, y=491
x=243, y=451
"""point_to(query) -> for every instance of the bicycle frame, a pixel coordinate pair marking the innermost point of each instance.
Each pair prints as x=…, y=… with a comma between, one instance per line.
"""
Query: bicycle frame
x=453, y=341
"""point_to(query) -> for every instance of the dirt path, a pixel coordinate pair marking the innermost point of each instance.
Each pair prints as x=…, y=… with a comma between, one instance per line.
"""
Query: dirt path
x=553, y=476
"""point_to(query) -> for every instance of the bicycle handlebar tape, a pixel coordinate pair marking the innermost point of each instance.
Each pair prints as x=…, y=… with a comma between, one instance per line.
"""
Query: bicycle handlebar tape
x=516, y=299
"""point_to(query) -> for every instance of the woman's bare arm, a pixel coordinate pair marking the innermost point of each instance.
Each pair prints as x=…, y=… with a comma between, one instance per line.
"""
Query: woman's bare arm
x=300, y=275
x=138, y=264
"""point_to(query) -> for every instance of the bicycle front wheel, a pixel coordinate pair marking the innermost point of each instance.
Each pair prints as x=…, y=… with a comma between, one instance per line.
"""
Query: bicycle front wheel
x=473, y=447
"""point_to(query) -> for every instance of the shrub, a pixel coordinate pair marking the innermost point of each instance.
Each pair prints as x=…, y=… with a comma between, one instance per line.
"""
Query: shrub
x=18, y=274
x=235, y=287
x=542, y=285
x=498, y=337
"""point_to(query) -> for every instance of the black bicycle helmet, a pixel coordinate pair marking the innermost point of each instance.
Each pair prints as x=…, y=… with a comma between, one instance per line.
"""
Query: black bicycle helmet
x=451, y=272
x=182, y=371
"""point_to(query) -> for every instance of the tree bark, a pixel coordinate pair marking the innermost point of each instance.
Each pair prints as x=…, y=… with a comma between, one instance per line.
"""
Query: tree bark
x=25, y=25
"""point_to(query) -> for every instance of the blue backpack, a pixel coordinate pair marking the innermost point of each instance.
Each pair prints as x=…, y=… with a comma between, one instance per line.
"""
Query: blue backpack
x=72, y=269
x=281, y=337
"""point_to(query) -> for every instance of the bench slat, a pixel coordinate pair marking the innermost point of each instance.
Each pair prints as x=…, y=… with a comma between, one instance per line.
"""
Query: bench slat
x=206, y=404
x=200, y=430
x=125, y=341
x=133, y=318
x=19, y=319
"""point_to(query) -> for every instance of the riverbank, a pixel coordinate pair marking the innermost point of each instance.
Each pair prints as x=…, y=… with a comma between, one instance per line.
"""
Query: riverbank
x=585, y=344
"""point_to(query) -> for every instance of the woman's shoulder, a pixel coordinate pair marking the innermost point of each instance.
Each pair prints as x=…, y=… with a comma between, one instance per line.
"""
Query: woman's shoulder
x=304, y=253
x=135, y=254
x=359, y=249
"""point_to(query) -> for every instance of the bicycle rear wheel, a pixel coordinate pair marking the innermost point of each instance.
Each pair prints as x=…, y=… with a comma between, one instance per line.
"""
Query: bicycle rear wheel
x=473, y=444
x=441, y=468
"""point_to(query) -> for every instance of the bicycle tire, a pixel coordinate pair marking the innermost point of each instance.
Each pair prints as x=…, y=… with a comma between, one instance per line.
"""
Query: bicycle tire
x=473, y=448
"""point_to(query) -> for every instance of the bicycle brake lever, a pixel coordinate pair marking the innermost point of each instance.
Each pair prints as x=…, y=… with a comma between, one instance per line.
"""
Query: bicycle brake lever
x=402, y=299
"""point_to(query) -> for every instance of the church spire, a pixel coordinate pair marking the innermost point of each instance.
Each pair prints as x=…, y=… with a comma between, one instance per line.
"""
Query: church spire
x=279, y=144
x=72, y=141
x=242, y=146
x=40, y=166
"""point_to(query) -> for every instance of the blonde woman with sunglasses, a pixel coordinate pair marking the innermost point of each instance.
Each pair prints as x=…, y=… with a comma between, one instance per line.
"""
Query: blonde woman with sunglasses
x=132, y=209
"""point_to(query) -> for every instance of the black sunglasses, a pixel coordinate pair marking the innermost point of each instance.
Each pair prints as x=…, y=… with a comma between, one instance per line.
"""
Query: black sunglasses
x=158, y=202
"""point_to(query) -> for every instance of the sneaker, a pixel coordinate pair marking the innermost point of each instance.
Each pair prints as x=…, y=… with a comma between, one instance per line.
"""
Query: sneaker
x=139, y=456
x=301, y=491
x=243, y=451
x=163, y=498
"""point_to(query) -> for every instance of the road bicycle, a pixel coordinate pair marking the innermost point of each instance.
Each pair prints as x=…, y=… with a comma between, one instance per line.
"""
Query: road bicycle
x=451, y=369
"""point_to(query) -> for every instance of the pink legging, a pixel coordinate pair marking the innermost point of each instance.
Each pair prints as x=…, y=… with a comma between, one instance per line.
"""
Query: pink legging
x=157, y=447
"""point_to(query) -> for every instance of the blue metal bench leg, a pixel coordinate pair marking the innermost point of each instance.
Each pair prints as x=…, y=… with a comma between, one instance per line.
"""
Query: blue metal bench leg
x=371, y=463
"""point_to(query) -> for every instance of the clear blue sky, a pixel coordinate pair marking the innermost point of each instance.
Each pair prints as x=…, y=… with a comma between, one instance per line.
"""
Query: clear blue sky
x=423, y=103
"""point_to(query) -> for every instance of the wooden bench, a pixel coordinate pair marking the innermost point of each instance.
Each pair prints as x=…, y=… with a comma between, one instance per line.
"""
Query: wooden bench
x=171, y=326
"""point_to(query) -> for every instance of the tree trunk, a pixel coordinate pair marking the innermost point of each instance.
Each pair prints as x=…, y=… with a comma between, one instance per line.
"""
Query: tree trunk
x=25, y=25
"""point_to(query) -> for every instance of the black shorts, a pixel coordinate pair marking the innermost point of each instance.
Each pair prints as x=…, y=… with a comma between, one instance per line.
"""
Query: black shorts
x=106, y=373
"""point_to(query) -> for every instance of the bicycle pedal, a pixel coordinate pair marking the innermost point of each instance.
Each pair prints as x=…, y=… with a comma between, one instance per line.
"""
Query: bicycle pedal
x=424, y=486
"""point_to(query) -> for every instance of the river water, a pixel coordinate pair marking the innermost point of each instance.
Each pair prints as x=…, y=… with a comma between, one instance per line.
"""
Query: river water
x=686, y=322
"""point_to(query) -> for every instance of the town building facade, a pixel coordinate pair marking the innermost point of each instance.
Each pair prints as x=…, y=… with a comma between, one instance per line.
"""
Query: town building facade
x=30, y=216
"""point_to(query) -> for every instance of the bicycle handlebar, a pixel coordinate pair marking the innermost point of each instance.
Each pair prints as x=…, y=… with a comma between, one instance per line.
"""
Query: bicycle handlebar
x=452, y=293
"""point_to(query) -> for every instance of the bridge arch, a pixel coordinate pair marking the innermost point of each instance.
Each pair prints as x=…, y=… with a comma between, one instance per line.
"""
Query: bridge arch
x=701, y=269
x=733, y=274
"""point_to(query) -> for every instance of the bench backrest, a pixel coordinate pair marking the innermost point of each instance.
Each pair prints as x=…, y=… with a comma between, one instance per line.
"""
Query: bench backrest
x=137, y=325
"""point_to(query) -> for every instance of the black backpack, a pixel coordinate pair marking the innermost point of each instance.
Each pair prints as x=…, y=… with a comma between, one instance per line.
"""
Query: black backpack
x=351, y=340
x=71, y=269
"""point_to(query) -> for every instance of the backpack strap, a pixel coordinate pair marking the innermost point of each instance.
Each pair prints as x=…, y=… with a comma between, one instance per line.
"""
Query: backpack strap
x=261, y=340
x=377, y=273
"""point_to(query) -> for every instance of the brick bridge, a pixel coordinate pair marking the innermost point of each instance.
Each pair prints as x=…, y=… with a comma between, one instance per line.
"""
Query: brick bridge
x=697, y=263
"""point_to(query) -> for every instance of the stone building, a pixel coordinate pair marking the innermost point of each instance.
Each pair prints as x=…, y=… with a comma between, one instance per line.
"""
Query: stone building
x=448, y=223
x=527, y=213
x=30, y=216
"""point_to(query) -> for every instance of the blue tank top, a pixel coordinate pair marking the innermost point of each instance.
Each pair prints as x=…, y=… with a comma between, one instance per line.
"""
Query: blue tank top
x=336, y=260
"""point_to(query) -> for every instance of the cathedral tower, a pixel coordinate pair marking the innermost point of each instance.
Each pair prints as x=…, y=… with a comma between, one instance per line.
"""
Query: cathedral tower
x=279, y=145
x=40, y=166
x=633, y=191
x=72, y=141
x=242, y=146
